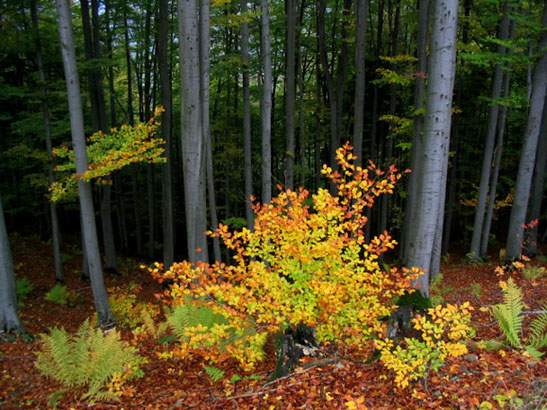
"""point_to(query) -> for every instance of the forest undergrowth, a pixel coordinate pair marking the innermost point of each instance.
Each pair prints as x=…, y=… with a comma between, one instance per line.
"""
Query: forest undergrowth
x=340, y=379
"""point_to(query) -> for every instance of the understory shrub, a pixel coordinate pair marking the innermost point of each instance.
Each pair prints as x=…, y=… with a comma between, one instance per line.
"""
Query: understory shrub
x=302, y=263
x=127, y=311
x=89, y=359
x=307, y=262
x=442, y=332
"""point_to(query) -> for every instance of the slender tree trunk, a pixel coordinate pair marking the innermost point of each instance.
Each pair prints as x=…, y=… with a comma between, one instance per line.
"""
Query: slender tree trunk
x=166, y=182
x=9, y=319
x=534, y=208
x=266, y=111
x=55, y=232
x=528, y=155
x=417, y=139
x=430, y=207
x=359, y=98
x=193, y=143
x=78, y=141
x=205, y=85
x=495, y=171
x=290, y=92
x=150, y=193
x=249, y=215
x=489, y=142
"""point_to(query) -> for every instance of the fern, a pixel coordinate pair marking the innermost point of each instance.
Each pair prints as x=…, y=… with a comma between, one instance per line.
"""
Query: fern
x=89, y=358
x=60, y=295
x=214, y=373
x=183, y=316
x=538, y=338
x=508, y=313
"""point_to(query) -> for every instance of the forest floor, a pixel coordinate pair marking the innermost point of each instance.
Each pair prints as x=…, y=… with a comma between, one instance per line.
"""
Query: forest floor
x=481, y=379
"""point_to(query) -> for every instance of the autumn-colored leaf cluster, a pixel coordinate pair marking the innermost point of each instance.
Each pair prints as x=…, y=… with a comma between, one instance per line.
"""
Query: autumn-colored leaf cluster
x=108, y=153
x=302, y=263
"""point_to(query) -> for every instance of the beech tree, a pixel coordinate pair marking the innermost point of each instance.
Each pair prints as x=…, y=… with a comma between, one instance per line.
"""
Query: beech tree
x=55, y=232
x=9, y=319
x=432, y=186
x=89, y=229
x=517, y=220
x=489, y=141
x=193, y=142
x=266, y=103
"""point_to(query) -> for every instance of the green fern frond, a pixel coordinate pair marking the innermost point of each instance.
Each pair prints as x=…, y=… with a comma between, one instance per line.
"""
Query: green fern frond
x=188, y=315
x=536, y=354
x=214, y=373
x=87, y=359
x=508, y=313
x=538, y=337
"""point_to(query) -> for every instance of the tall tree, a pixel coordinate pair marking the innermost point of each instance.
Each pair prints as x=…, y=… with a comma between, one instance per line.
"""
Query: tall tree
x=489, y=140
x=417, y=137
x=266, y=111
x=68, y=52
x=55, y=232
x=193, y=143
x=290, y=92
x=432, y=187
x=335, y=82
x=205, y=45
x=359, y=98
x=536, y=198
x=166, y=182
x=249, y=215
x=9, y=319
x=528, y=156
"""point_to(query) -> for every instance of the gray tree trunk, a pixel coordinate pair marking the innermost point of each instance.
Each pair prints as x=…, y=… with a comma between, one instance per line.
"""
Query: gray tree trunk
x=78, y=141
x=55, y=232
x=193, y=142
x=359, y=98
x=290, y=92
x=266, y=104
x=417, y=139
x=166, y=181
x=528, y=155
x=534, y=209
x=9, y=319
x=131, y=120
x=495, y=171
x=442, y=67
x=205, y=84
x=489, y=142
x=249, y=215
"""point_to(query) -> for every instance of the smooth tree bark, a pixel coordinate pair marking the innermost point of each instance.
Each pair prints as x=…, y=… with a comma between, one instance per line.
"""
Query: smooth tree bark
x=290, y=92
x=131, y=121
x=536, y=198
x=497, y=159
x=248, y=167
x=78, y=142
x=359, y=97
x=166, y=181
x=474, y=253
x=517, y=219
x=417, y=139
x=193, y=143
x=335, y=82
x=9, y=319
x=432, y=187
x=99, y=120
x=266, y=103
x=205, y=45
x=55, y=231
